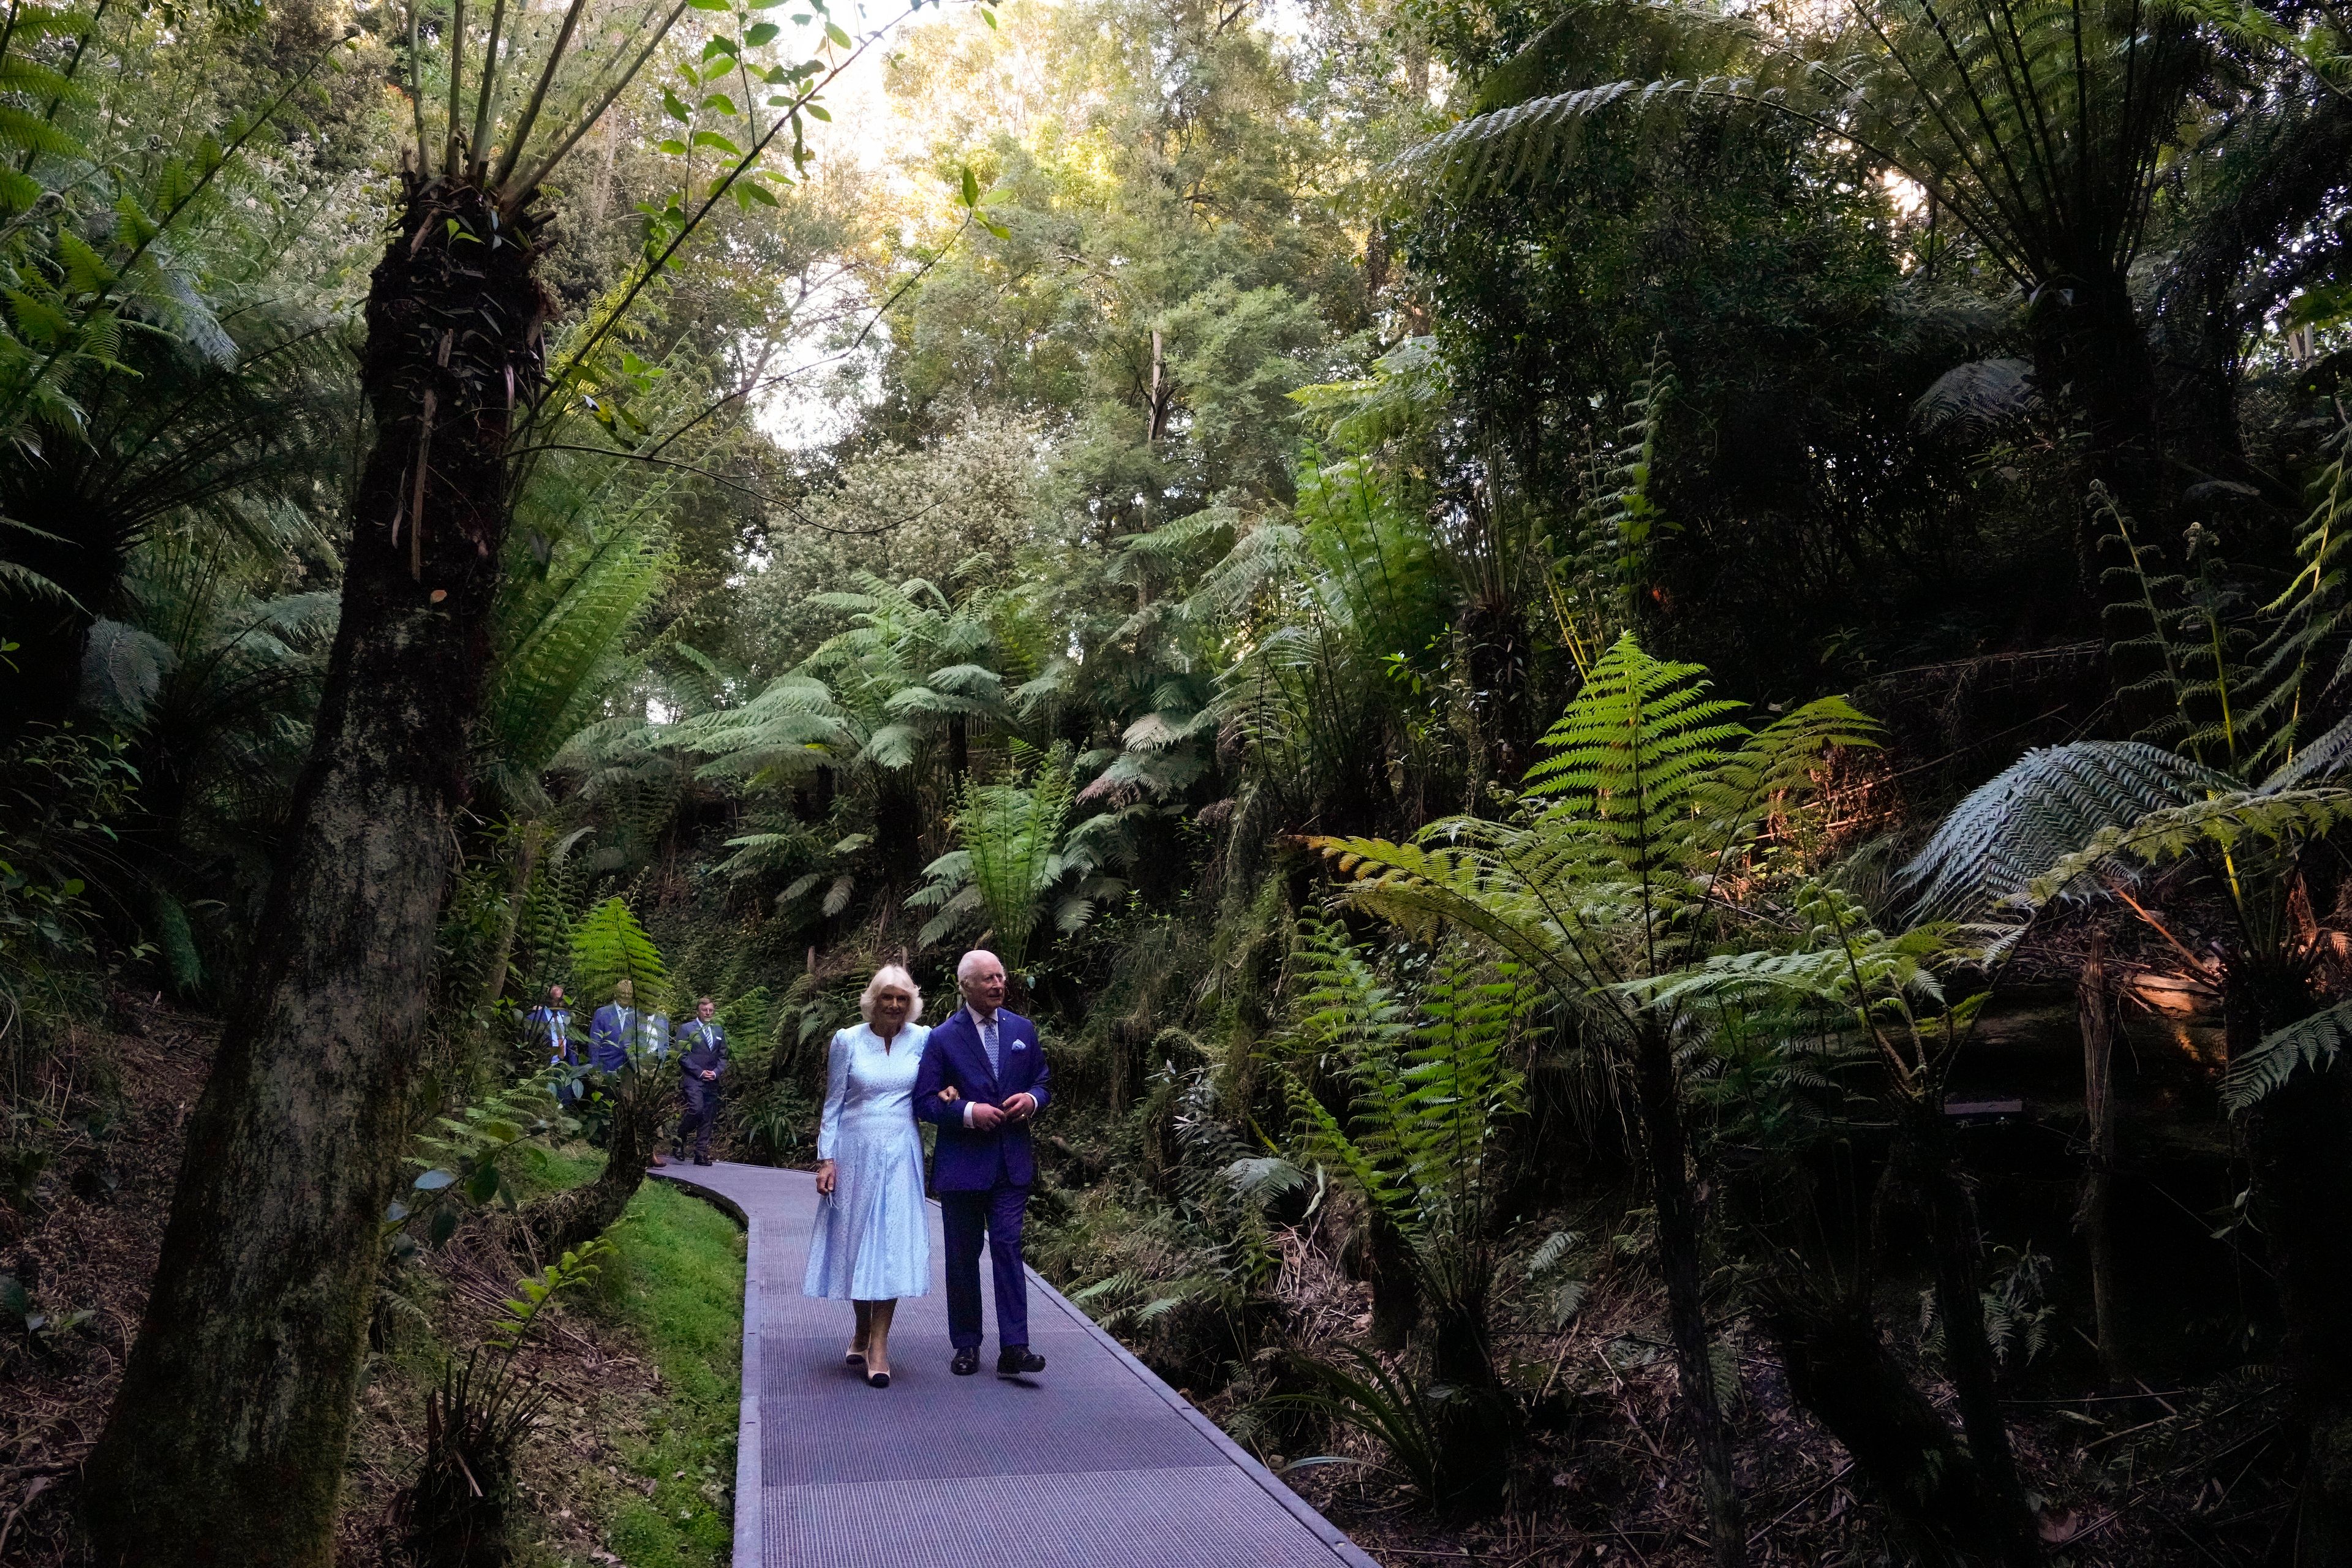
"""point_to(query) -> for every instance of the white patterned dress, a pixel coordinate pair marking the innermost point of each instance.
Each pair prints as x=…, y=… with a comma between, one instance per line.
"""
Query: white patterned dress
x=873, y=1238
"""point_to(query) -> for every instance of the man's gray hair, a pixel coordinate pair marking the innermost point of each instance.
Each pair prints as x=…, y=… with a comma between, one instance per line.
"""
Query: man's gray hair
x=971, y=960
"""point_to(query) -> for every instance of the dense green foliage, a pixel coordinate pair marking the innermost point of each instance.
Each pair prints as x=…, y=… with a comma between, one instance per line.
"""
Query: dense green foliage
x=1251, y=518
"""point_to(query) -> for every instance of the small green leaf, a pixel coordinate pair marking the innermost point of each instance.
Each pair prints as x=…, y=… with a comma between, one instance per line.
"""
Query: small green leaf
x=971, y=189
x=674, y=107
x=832, y=31
x=721, y=102
x=445, y=1225
x=819, y=111
x=988, y=15
x=483, y=1185
x=998, y=229
x=712, y=139
x=674, y=147
x=753, y=191
x=761, y=33
x=710, y=4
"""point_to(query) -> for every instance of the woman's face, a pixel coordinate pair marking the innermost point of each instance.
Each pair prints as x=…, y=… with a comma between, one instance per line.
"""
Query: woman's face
x=891, y=1007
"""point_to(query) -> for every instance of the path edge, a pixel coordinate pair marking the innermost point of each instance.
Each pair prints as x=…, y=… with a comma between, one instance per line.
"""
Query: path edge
x=750, y=1516
x=1330, y=1534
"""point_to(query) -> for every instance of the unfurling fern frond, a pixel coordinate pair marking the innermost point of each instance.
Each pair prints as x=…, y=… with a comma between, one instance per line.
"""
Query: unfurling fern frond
x=2042, y=807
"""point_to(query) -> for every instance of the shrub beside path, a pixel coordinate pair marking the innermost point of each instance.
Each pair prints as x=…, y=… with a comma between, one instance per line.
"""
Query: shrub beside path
x=1095, y=1463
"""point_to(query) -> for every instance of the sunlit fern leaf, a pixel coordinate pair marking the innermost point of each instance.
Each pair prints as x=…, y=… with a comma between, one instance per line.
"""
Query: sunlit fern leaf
x=2263, y=1070
x=2038, y=810
x=609, y=946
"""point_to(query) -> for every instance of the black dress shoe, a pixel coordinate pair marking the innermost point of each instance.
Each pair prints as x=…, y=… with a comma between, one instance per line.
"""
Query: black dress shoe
x=966, y=1363
x=1017, y=1361
x=877, y=1380
x=702, y=1159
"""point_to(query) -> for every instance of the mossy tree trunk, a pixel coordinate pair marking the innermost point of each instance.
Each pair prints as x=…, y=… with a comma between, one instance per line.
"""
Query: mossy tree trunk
x=226, y=1442
x=561, y=1221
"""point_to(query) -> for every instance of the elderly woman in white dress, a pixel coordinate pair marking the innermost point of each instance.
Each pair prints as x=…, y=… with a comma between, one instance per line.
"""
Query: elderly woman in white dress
x=872, y=1240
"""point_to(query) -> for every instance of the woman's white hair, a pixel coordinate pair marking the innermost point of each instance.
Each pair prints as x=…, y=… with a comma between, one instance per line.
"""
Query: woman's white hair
x=892, y=978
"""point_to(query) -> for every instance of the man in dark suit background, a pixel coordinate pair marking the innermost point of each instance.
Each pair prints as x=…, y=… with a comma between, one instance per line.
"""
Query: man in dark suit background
x=983, y=1165
x=701, y=1060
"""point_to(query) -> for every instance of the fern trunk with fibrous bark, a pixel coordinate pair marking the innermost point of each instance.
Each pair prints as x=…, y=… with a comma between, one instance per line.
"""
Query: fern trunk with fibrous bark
x=562, y=1222
x=2299, y=1138
x=1924, y=1178
x=1659, y=1096
x=227, y=1438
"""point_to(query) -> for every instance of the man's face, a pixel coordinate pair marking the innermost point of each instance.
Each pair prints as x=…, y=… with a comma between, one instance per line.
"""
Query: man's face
x=983, y=987
x=623, y=993
x=555, y=995
x=704, y=1009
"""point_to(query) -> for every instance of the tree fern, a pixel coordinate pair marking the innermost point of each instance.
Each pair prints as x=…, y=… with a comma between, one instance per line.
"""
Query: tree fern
x=2036, y=123
x=1020, y=864
x=609, y=947
x=2041, y=808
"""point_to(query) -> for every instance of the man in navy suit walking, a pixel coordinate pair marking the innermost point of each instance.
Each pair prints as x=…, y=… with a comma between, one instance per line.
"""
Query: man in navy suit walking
x=983, y=1165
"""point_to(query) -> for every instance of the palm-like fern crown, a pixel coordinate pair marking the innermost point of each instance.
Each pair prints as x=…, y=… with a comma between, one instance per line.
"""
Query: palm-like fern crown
x=909, y=661
x=1655, y=794
x=609, y=946
x=2037, y=123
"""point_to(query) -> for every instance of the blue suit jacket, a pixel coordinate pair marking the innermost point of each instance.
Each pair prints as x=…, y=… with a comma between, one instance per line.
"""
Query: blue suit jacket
x=971, y=1161
x=612, y=1037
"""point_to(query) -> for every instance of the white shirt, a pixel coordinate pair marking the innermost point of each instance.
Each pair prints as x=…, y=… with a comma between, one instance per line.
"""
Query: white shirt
x=986, y=1027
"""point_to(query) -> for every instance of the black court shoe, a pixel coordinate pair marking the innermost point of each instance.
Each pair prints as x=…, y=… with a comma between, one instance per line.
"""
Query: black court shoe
x=1018, y=1361
x=966, y=1363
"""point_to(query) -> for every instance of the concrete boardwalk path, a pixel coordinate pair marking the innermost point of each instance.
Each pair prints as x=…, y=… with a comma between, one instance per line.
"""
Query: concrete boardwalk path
x=1093, y=1463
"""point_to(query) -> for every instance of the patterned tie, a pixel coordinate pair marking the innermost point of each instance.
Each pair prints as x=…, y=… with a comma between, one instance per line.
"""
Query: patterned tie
x=988, y=1043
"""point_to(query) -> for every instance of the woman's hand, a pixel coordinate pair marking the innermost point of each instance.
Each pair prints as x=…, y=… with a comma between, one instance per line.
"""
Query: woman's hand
x=949, y=1095
x=825, y=1169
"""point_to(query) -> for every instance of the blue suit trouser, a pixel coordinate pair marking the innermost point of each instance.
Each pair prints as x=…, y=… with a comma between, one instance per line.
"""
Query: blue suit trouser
x=966, y=1217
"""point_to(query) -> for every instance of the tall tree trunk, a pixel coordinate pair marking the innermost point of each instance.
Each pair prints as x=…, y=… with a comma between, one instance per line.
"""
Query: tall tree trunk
x=1925, y=1168
x=2097, y=1009
x=2090, y=354
x=227, y=1438
x=1679, y=1259
x=528, y=839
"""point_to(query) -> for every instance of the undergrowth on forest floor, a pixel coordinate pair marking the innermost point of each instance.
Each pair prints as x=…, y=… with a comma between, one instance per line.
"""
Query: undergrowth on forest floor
x=633, y=1461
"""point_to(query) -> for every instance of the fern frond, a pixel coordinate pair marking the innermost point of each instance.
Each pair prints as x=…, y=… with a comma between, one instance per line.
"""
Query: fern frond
x=2041, y=808
x=2263, y=1071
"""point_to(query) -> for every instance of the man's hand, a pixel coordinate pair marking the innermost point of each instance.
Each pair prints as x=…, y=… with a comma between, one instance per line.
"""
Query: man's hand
x=986, y=1117
x=710, y=1075
x=1021, y=1107
x=949, y=1095
x=825, y=1169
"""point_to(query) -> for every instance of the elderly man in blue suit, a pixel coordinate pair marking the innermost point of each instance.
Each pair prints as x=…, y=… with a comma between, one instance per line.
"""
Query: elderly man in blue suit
x=983, y=1166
